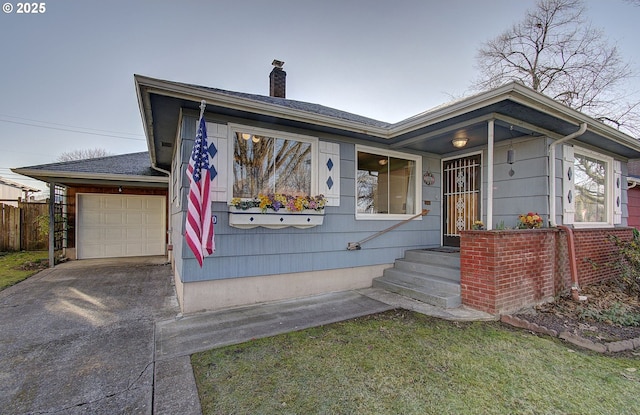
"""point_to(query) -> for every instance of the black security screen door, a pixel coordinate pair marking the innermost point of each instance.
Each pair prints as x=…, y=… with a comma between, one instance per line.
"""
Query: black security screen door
x=461, y=196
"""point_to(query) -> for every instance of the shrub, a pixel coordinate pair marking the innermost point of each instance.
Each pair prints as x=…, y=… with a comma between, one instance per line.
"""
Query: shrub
x=629, y=260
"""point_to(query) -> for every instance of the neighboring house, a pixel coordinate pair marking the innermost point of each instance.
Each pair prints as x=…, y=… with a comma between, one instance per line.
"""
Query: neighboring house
x=483, y=158
x=11, y=191
x=633, y=182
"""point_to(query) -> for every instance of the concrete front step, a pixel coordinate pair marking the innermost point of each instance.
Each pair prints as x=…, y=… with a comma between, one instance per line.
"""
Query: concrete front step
x=444, y=272
x=436, y=298
x=424, y=281
x=425, y=256
x=426, y=275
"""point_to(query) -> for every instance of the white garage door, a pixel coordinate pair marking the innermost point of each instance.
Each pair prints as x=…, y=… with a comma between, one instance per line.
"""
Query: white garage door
x=110, y=226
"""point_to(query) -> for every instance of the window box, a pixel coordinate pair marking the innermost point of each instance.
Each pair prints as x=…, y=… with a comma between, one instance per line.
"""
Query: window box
x=254, y=217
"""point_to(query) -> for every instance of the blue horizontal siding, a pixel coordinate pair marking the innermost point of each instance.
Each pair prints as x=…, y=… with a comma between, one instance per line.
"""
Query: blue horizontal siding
x=262, y=251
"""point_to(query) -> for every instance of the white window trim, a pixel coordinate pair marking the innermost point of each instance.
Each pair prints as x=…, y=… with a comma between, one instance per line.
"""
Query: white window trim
x=234, y=128
x=608, y=197
x=418, y=181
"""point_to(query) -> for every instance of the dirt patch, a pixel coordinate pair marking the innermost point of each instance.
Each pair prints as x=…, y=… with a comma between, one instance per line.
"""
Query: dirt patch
x=38, y=265
x=610, y=314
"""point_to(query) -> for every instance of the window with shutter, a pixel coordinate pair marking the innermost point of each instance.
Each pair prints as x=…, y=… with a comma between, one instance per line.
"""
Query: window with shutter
x=592, y=188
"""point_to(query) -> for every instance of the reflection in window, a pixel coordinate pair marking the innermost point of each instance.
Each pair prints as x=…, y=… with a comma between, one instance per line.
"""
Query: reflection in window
x=386, y=185
x=264, y=165
x=590, y=197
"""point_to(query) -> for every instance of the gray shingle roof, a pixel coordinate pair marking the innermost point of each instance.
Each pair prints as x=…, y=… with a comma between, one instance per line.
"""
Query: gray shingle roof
x=298, y=105
x=134, y=164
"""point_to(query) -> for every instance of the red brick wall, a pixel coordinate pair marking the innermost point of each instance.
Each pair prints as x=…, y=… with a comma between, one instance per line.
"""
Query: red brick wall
x=503, y=271
x=595, y=253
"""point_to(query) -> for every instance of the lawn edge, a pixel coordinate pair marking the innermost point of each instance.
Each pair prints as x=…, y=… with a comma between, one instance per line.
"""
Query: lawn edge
x=609, y=347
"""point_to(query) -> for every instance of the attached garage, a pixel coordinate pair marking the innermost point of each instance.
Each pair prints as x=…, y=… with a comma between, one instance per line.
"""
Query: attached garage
x=111, y=226
x=111, y=207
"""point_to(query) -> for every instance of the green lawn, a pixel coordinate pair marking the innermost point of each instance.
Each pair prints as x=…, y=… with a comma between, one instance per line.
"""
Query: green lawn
x=17, y=266
x=402, y=362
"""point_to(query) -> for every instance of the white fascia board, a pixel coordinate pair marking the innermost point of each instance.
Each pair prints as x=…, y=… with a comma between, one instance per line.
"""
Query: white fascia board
x=547, y=105
x=39, y=174
x=144, y=104
x=448, y=111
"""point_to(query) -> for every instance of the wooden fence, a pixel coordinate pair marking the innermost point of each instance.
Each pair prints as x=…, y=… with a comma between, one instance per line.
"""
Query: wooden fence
x=21, y=227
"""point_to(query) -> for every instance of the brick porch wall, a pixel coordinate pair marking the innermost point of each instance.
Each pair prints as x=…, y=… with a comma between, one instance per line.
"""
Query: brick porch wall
x=503, y=271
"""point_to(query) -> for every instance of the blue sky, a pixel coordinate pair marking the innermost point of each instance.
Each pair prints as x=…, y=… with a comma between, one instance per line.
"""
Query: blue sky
x=66, y=76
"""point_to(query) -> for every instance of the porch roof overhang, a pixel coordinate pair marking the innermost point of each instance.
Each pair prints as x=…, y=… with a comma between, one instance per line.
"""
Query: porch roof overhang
x=71, y=178
x=515, y=109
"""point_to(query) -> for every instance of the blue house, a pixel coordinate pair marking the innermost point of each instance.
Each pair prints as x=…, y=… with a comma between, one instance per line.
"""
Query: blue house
x=488, y=158
x=389, y=189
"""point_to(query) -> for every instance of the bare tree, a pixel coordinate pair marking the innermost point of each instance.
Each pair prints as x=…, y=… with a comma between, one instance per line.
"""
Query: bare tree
x=555, y=51
x=83, y=154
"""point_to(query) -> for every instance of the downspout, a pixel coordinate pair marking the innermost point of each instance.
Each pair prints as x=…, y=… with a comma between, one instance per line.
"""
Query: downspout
x=573, y=266
x=575, y=287
x=552, y=171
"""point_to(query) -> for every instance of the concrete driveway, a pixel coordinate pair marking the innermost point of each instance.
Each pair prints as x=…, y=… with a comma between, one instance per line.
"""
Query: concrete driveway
x=79, y=338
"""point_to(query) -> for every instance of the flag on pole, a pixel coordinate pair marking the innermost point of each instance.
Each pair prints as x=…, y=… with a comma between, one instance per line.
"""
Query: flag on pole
x=199, y=224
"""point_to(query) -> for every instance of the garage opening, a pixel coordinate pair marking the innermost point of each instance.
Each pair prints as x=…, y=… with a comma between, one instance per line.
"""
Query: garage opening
x=111, y=226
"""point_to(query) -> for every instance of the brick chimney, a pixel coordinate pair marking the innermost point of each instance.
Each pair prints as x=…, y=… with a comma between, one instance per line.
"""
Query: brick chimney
x=277, y=80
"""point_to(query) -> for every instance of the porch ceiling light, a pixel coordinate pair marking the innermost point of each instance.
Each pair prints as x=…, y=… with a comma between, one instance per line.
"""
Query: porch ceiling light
x=459, y=142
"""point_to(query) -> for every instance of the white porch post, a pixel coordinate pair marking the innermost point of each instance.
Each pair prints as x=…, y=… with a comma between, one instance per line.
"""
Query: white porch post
x=489, y=223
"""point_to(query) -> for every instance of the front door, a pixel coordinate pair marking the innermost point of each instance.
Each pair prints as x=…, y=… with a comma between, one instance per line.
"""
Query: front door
x=461, y=196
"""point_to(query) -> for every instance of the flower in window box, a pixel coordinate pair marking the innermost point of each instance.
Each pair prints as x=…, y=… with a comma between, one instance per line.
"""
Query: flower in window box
x=277, y=201
x=530, y=221
x=478, y=225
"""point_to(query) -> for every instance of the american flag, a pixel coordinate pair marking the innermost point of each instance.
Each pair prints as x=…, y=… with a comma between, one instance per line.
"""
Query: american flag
x=199, y=223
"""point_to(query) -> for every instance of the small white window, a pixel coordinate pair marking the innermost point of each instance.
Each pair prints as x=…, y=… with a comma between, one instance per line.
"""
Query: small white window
x=386, y=184
x=593, y=188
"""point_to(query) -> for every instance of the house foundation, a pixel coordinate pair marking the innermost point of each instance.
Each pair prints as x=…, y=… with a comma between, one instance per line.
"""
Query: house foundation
x=233, y=292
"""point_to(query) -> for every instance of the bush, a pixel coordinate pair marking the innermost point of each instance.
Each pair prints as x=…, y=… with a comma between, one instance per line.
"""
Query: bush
x=629, y=260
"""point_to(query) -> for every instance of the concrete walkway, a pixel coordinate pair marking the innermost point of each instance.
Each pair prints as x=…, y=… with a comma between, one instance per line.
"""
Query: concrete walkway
x=178, y=338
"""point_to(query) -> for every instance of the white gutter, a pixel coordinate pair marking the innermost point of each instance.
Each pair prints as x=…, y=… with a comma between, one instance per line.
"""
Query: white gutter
x=154, y=167
x=552, y=170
